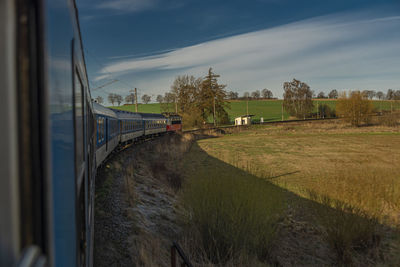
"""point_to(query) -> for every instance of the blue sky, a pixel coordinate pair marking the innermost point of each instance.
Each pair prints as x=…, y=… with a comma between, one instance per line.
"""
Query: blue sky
x=252, y=44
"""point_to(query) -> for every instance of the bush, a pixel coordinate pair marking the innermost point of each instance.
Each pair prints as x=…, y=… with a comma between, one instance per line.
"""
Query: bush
x=389, y=119
x=233, y=215
x=326, y=111
x=355, y=108
x=192, y=118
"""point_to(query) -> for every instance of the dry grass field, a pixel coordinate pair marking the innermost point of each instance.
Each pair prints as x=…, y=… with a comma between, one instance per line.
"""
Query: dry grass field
x=339, y=186
x=356, y=165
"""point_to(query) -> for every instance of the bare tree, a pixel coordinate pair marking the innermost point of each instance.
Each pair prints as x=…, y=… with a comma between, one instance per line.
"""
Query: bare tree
x=233, y=95
x=397, y=95
x=333, y=94
x=297, y=98
x=130, y=98
x=321, y=95
x=380, y=95
x=369, y=93
x=160, y=99
x=256, y=94
x=390, y=94
x=266, y=93
x=111, y=98
x=355, y=107
x=186, y=90
x=99, y=99
x=118, y=99
x=168, y=104
x=146, y=98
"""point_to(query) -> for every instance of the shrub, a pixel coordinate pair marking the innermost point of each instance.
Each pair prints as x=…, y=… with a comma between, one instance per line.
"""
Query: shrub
x=326, y=111
x=355, y=108
x=389, y=119
x=233, y=215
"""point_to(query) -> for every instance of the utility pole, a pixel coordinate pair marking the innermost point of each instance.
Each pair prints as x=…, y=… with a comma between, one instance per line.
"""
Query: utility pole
x=247, y=106
x=132, y=96
x=317, y=110
x=214, y=111
x=391, y=106
x=282, y=110
x=136, y=105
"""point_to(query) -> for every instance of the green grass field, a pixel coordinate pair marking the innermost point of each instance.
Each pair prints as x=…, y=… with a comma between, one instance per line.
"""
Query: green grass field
x=270, y=110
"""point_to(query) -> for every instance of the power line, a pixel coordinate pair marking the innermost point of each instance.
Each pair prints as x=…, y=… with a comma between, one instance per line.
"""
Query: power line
x=101, y=65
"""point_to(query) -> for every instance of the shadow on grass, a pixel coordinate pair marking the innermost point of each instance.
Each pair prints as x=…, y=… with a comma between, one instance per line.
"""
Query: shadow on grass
x=223, y=202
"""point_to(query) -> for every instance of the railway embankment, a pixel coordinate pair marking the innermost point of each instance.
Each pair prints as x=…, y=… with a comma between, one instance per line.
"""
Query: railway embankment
x=137, y=210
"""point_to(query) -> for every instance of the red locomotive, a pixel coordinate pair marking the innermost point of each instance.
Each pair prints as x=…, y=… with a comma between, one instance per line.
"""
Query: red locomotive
x=174, y=122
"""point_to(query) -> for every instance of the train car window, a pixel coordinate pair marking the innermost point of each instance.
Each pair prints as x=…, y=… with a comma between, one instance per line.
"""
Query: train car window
x=99, y=127
x=79, y=129
x=105, y=125
x=98, y=130
x=102, y=129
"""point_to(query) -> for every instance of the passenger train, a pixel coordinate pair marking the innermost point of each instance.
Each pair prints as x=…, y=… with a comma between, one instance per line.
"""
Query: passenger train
x=53, y=136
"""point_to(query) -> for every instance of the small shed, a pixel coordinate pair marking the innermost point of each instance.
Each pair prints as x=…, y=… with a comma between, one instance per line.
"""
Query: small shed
x=243, y=120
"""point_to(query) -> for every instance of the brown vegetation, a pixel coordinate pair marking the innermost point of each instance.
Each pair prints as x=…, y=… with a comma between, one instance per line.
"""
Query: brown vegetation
x=197, y=99
x=356, y=108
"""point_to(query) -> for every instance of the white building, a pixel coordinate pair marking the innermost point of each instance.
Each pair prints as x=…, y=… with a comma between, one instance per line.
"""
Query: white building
x=243, y=120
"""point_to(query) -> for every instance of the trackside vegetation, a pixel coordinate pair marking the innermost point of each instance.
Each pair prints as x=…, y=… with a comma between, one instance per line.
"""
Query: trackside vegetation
x=231, y=214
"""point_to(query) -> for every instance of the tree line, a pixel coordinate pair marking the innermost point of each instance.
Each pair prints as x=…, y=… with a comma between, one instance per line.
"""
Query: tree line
x=370, y=94
x=118, y=99
x=355, y=106
x=197, y=99
x=257, y=94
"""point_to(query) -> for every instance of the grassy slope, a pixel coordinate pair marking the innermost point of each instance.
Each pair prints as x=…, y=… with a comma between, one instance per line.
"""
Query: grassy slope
x=357, y=166
x=270, y=110
x=349, y=164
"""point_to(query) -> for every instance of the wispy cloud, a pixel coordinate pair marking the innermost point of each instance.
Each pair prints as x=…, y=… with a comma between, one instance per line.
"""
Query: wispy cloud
x=102, y=77
x=128, y=5
x=334, y=50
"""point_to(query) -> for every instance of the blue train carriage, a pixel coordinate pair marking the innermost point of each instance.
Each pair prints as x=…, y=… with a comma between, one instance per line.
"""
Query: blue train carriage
x=154, y=124
x=47, y=166
x=107, y=132
x=130, y=126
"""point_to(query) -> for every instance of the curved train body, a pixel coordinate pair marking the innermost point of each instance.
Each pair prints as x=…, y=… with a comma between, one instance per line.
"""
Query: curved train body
x=53, y=137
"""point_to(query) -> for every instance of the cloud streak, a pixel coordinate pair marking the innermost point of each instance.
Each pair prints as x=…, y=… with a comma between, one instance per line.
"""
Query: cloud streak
x=332, y=50
x=128, y=5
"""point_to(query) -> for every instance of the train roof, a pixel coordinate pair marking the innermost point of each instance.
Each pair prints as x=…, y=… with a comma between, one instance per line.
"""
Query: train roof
x=152, y=116
x=123, y=114
x=99, y=109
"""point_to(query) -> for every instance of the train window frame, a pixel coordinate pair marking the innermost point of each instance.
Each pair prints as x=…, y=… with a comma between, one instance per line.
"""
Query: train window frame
x=78, y=87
